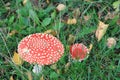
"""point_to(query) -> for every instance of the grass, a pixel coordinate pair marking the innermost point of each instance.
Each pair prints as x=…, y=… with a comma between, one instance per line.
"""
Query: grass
x=102, y=64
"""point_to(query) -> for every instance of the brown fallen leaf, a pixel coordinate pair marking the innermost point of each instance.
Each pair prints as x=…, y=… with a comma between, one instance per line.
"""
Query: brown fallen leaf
x=7, y=8
x=7, y=4
x=11, y=78
x=24, y=2
x=118, y=22
x=76, y=13
x=58, y=71
x=86, y=18
x=90, y=47
x=71, y=21
x=29, y=75
x=42, y=78
x=47, y=1
x=100, y=14
x=101, y=30
x=12, y=32
x=71, y=39
x=54, y=66
x=67, y=66
x=16, y=59
x=53, y=32
x=60, y=7
x=109, y=16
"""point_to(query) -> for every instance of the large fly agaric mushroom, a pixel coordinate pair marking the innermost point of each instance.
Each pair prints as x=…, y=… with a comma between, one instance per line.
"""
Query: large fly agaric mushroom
x=79, y=51
x=41, y=49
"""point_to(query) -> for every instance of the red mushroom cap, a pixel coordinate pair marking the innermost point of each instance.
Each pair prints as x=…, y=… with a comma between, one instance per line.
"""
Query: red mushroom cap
x=79, y=51
x=40, y=48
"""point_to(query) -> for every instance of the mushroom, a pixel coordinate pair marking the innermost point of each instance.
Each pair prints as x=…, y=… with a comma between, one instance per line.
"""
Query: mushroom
x=111, y=42
x=60, y=7
x=79, y=51
x=41, y=49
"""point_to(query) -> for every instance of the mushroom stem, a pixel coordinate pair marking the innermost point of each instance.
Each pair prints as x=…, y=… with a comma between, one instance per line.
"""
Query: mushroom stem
x=37, y=69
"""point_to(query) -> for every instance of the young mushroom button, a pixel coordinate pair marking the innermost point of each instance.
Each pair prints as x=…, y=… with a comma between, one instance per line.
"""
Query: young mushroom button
x=40, y=48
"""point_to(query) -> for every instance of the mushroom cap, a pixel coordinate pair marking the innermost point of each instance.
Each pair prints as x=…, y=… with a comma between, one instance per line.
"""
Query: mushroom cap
x=79, y=51
x=111, y=42
x=40, y=48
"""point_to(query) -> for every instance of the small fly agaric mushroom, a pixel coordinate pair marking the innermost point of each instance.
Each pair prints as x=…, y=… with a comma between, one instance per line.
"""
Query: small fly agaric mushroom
x=41, y=49
x=79, y=51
